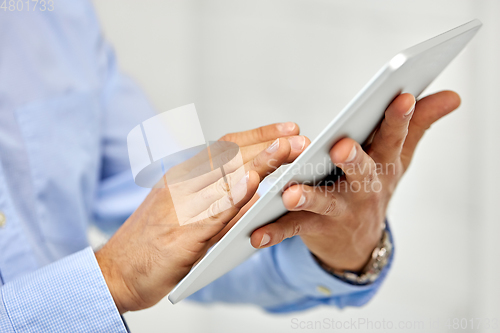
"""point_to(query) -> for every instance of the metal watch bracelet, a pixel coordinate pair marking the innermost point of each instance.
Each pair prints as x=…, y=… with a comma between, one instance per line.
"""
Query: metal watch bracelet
x=369, y=274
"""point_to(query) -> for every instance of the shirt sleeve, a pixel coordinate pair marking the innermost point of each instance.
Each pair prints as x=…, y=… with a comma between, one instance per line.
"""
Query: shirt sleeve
x=124, y=106
x=286, y=278
x=69, y=295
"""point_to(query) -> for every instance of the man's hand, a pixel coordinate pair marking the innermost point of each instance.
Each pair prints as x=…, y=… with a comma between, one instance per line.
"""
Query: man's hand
x=342, y=223
x=157, y=246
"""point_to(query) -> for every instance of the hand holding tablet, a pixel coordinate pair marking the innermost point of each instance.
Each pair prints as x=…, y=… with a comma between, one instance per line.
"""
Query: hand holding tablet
x=410, y=71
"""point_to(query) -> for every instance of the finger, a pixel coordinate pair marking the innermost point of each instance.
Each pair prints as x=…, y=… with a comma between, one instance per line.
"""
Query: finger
x=262, y=134
x=390, y=137
x=427, y=111
x=228, y=155
x=359, y=168
x=212, y=186
x=322, y=200
x=267, y=161
x=212, y=220
x=297, y=144
x=249, y=142
x=288, y=226
x=203, y=162
x=231, y=162
x=235, y=219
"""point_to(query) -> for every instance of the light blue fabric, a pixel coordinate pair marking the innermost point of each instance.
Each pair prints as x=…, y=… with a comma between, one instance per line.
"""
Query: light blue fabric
x=65, y=111
x=285, y=278
x=33, y=301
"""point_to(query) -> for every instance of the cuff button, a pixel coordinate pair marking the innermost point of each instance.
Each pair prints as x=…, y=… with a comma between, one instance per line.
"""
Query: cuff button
x=324, y=290
x=2, y=220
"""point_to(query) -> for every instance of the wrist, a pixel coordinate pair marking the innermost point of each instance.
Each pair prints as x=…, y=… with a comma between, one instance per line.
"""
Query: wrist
x=379, y=258
x=354, y=256
x=114, y=281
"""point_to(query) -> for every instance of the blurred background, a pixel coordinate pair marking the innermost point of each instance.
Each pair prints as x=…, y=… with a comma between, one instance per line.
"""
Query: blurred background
x=249, y=63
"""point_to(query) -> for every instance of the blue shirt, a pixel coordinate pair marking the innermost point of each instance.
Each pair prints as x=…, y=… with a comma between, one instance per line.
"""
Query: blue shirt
x=65, y=111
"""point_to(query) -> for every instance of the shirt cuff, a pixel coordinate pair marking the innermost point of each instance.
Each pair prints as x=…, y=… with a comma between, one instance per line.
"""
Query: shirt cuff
x=303, y=273
x=69, y=295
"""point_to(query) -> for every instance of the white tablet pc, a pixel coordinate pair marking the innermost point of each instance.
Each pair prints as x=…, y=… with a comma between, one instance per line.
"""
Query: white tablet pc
x=411, y=70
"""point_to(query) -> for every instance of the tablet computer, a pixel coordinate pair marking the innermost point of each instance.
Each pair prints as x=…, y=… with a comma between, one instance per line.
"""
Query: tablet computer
x=409, y=71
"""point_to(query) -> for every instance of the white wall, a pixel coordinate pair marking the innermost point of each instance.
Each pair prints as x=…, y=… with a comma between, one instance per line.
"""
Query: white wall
x=248, y=63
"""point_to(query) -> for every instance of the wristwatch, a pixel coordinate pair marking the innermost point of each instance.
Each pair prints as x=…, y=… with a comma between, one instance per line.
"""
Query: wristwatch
x=369, y=273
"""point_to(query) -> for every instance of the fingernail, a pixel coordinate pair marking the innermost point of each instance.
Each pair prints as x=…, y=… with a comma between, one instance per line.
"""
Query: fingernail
x=274, y=146
x=265, y=240
x=302, y=200
x=297, y=142
x=286, y=128
x=352, y=155
x=411, y=109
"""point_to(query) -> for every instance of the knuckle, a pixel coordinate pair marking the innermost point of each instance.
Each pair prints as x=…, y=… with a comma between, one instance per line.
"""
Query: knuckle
x=211, y=215
x=290, y=230
x=227, y=137
x=296, y=229
x=370, y=177
x=256, y=163
x=213, y=218
x=214, y=212
x=260, y=133
x=331, y=206
x=222, y=187
x=228, y=181
x=282, y=236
